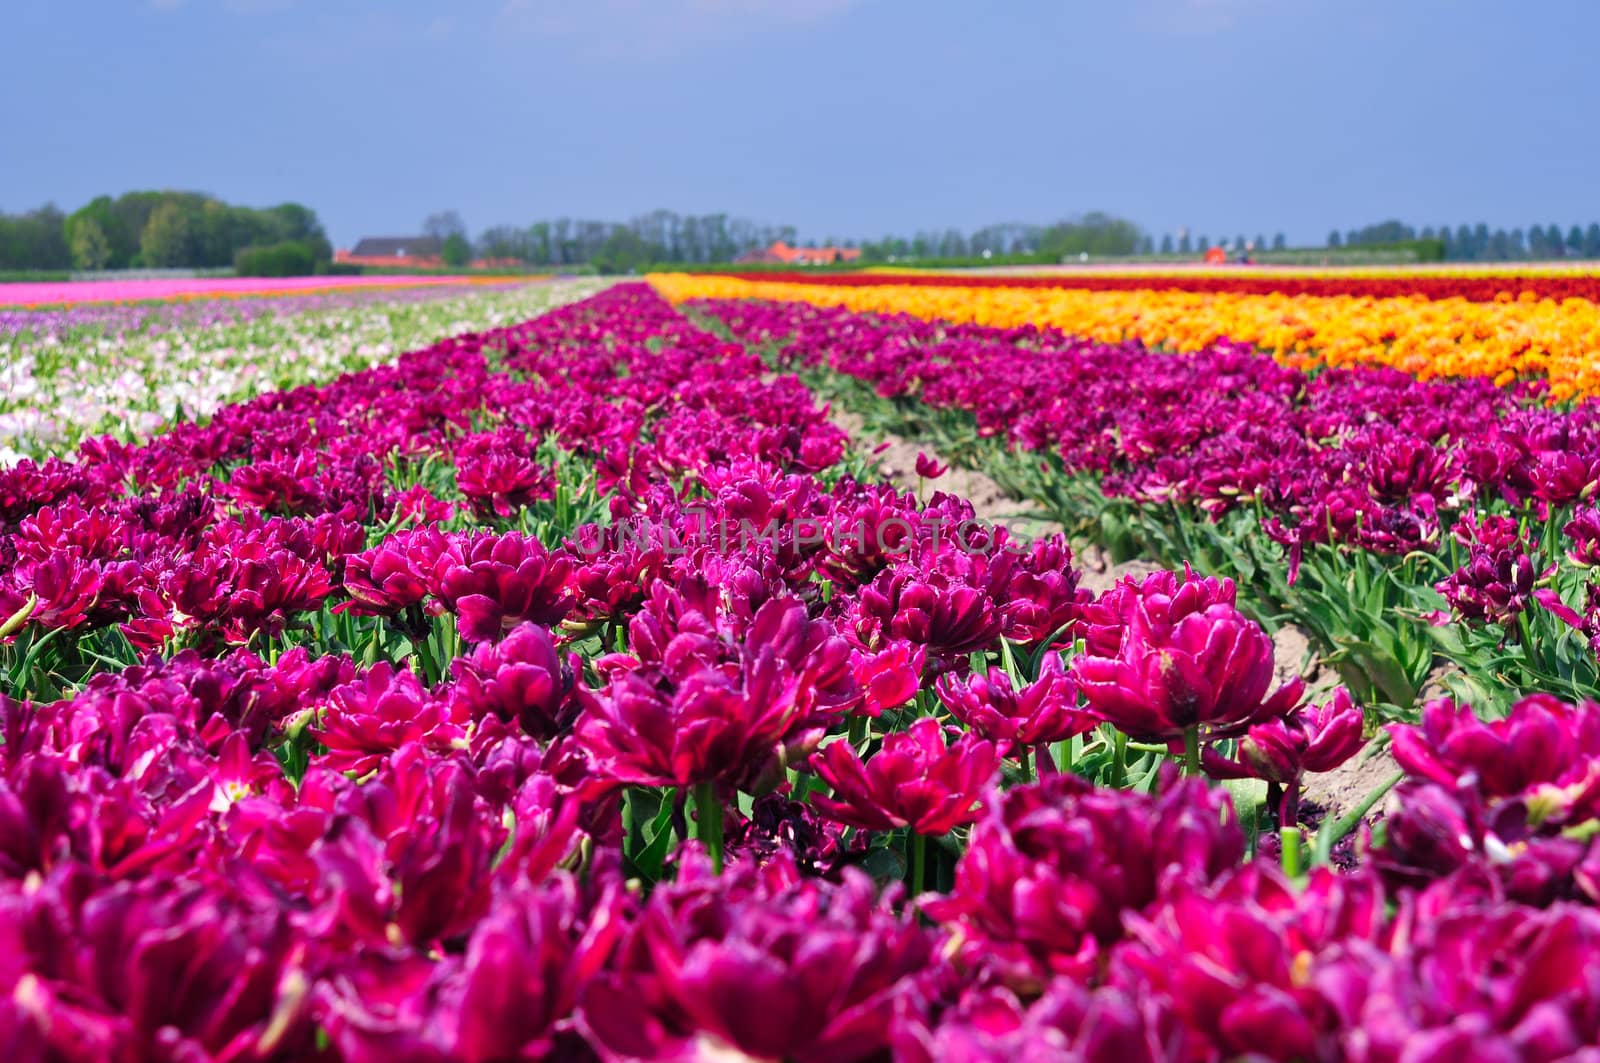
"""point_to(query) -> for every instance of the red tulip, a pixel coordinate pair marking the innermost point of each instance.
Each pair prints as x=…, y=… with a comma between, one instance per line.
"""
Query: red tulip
x=1160, y=598
x=1052, y=867
x=1209, y=670
x=497, y=473
x=761, y=963
x=521, y=678
x=393, y=575
x=1311, y=738
x=384, y=710
x=1044, y=711
x=914, y=781
x=693, y=719
x=928, y=468
x=950, y=619
x=494, y=582
x=1237, y=963
x=1042, y=598
x=889, y=678
x=1498, y=578
x=1583, y=531
x=1543, y=744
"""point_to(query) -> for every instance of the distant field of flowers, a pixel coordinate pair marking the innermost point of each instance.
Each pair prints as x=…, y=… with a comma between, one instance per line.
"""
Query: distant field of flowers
x=71, y=372
x=167, y=289
x=1500, y=327
x=565, y=676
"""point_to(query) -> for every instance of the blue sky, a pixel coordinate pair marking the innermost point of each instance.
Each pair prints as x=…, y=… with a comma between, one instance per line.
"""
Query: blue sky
x=847, y=118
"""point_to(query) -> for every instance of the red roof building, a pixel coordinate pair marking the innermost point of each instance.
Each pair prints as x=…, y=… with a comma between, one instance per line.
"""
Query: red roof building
x=409, y=252
x=783, y=254
x=394, y=252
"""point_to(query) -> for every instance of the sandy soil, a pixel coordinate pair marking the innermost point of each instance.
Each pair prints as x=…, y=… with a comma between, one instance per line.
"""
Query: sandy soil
x=897, y=463
x=1337, y=792
x=1099, y=573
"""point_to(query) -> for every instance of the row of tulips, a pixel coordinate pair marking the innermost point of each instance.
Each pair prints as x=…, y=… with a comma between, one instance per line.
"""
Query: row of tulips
x=1541, y=340
x=430, y=714
x=70, y=374
x=1402, y=524
x=1478, y=286
x=36, y=294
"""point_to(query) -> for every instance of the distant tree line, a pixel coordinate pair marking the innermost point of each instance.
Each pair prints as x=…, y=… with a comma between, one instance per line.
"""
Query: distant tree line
x=660, y=236
x=1478, y=243
x=1094, y=234
x=155, y=230
x=34, y=240
x=664, y=236
x=193, y=230
x=1188, y=244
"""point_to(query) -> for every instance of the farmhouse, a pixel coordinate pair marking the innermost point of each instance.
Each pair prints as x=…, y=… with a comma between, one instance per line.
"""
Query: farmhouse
x=781, y=253
x=407, y=252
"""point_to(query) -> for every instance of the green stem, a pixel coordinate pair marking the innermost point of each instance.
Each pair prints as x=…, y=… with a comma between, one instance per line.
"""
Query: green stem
x=1290, y=839
x=1119, y=760
x=708, y=822
x=919, y=862
x=1191, y=751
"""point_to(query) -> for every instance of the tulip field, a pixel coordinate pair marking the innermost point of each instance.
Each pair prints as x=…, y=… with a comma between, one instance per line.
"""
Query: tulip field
x=68, y=371
x=557, y=671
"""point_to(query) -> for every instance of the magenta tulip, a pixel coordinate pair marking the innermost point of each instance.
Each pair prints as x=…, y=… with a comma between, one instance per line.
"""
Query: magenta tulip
x=1208, y=671
x=1042, y=712
x=915, y=781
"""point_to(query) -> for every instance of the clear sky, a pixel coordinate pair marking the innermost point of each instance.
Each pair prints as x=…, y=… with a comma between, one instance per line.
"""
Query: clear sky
x=847, y=118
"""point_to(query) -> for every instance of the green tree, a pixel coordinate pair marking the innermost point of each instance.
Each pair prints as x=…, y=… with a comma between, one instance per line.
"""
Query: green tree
x=456, y=251
x=504, y=241
x=121, y=241
x=622, y=252
x=291, y=258
x=443, y=224
x=1095, y=233
x=35, y=240
x=294, y=223
x=167, y=238
x=539, y=246
x=90, y=248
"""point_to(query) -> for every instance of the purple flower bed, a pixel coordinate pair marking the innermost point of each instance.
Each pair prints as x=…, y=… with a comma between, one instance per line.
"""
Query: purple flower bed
x=568, y=691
